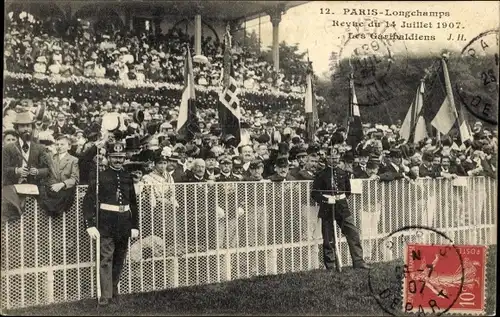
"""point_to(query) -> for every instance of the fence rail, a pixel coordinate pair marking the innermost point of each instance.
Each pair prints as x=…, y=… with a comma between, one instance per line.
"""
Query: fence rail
x=193, y=234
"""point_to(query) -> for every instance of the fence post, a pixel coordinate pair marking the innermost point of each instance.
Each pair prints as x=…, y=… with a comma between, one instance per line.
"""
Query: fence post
x=50, y=285
x=176, y=271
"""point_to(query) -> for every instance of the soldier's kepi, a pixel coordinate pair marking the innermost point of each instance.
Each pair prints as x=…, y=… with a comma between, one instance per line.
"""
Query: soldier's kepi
x=110, y=213
x=331, y=188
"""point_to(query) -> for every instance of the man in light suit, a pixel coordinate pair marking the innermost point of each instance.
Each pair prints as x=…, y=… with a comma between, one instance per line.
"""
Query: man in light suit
x=24, y=162
x=58, y=194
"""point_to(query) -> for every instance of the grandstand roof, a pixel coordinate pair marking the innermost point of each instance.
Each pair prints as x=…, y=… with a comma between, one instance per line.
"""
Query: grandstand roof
x=220, y=10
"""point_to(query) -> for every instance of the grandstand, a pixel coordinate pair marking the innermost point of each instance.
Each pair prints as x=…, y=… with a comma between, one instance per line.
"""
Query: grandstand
x=86, y=59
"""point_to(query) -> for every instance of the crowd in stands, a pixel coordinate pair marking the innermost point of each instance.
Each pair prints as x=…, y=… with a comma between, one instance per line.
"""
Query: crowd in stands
x=273, y=145
x=129, y=56
x=273, y=139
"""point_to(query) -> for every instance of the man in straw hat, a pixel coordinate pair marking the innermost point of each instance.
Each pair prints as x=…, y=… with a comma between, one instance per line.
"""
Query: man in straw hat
x=24, y=162
x=111, y=214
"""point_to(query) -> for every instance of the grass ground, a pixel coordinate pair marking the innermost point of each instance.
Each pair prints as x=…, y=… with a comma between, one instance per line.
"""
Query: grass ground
x=316, y=292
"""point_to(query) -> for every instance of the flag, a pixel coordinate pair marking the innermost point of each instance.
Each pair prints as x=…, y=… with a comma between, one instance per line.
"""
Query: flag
x=229, y=103
x=354, y=129
x=413, y=129
x=310, y=107
x=187, y=122
x=447, y=117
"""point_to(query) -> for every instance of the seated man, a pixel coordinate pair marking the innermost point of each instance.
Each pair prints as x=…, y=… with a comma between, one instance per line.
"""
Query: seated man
x=57, y=195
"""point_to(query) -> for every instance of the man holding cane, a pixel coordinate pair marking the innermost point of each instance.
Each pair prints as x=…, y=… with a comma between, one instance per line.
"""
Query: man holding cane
x=331, y=188
x=111, y=215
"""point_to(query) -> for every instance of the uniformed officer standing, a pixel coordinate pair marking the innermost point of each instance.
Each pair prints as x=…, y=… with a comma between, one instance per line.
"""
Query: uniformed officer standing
x=116, y=221
x=340, y=189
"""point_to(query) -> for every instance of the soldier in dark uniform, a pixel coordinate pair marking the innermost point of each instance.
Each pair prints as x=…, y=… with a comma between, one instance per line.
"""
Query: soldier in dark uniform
x=340, y=189
x=226, y=166
x=117, y=219
x=301, y=158
x=238, y=167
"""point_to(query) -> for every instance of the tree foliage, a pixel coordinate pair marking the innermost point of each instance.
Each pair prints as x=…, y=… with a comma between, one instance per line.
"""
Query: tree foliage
x=389, y=99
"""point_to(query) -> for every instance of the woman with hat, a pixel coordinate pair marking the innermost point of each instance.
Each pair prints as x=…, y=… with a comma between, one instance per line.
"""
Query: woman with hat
x=160, y=188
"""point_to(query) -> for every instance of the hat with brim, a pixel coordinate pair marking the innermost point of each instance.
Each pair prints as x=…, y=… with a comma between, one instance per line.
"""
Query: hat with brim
x=134, y=166
x=301, y=153
x=395, y=152
x=174, y=157
x=25, y=117
x=132, y=143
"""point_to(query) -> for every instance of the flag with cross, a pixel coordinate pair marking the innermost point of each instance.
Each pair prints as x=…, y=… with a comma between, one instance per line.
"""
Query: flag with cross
x=229, y=102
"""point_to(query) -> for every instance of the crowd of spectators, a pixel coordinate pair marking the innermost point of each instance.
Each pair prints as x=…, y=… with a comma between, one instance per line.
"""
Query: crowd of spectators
x=273, y=145
x=272, y=139
x=34, y=47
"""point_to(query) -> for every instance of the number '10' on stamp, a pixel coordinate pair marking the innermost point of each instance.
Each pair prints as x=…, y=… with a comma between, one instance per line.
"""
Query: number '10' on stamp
x=444, y=279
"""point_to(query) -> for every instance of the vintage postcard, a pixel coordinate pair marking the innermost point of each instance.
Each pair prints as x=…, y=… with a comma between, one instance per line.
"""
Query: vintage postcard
x=249, y=157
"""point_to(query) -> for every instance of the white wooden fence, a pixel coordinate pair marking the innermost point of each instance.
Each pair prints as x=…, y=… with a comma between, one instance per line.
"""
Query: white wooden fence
x=225, y=231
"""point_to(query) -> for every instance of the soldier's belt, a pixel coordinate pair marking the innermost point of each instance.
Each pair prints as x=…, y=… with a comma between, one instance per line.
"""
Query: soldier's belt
x=115, y=208
x=341, y=196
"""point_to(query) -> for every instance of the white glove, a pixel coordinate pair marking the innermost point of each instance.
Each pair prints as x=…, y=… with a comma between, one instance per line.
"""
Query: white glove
x=93, y=232
x=240, y=211
x=134, y=233
x=220, y=212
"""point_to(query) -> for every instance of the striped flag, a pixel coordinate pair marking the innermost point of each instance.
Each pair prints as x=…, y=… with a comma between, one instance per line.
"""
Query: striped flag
x=447, y=117
x=187, y=122
x=413, y=129
x=310, y=107
x=229, y=103
x=354, y=128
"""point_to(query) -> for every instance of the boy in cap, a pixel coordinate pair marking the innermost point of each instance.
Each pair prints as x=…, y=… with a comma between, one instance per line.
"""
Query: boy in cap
x=117, y=219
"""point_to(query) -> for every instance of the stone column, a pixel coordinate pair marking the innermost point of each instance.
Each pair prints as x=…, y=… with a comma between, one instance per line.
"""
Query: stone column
x=197, y=34
x=275, y=20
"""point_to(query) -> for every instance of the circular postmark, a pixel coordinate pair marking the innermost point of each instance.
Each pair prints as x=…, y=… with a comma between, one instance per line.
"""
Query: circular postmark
x=418, y=277
x=479, y=94
x=372, y=53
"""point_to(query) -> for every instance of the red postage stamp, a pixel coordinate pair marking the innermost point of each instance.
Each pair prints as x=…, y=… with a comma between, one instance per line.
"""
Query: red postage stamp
x=444, y=279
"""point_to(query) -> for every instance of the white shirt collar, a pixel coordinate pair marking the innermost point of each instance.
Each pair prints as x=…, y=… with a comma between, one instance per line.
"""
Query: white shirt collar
x=21, y=142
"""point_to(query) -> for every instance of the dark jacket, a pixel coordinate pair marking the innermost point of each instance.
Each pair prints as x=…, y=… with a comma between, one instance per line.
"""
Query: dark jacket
x=12, y=157
x=322, y=185
x=115, y=188
x=389, y=173
x=428, y=171
x=358, y=172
